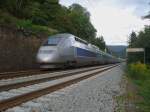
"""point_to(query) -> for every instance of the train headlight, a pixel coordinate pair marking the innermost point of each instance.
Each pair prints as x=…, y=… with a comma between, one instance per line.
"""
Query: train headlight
x=45, y=59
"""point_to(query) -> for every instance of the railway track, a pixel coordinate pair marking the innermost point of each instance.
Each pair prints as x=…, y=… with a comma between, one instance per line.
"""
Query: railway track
x=7, y=85
x=14, y=94
x=8, y=75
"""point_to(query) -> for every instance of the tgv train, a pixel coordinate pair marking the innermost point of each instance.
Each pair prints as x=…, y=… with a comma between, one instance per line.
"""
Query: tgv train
x=68, y=50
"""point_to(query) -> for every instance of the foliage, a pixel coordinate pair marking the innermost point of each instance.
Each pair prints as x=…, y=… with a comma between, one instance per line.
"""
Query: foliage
x=142, y=39
x=27, y=26
x=7, y=19
x=39, y=28
x=97, y=42
x=147, y=16
x=24, y=24
x=42, y=15
x=140, y=74
x=18, y=8
x=132, y=39
x=80, y=19
x=138, y=71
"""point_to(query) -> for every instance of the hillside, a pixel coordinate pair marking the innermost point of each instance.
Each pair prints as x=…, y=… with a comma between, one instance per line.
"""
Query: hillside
x=25, y=24
x=49, y=17
x=118, y=50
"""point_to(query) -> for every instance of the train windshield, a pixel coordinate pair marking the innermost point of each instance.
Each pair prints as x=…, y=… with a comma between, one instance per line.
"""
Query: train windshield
x=52, y=41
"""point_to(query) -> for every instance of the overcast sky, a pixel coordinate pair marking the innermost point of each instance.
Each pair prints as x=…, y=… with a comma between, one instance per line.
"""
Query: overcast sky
x=115, y=19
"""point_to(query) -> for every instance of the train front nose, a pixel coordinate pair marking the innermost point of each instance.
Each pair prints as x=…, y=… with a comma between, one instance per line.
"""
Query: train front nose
x=48, y=56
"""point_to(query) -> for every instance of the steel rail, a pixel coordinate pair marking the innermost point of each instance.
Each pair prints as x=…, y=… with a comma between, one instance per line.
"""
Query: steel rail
x=17, y=100
x=7, y=75
x=50, y=78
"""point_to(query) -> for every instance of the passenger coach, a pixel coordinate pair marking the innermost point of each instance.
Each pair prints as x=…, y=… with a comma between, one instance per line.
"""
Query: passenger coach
x=68, y=50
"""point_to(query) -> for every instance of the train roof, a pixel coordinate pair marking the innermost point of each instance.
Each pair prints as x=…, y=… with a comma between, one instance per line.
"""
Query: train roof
x=84, y=41
x=61, y=35
x=66, y=35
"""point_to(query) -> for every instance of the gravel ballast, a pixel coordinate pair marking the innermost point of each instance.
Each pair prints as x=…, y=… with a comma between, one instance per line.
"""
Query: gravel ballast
x=95, y=94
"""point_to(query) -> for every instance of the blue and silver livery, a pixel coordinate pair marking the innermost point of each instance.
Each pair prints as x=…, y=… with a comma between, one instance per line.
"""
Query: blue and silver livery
x=68, y=50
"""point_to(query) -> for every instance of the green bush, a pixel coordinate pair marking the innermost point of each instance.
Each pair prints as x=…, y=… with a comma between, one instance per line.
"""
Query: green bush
x=7, y=19
x=144, y=91
x=140, y=74
x=138, y=71
x=28, y=26
x=44, y=29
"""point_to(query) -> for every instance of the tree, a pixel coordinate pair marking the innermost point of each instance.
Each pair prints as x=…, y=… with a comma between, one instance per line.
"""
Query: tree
x=78, y=8
x=49, y=14
x=132, y=39
x=80, y=19
x=143, y=38
x=148, y=15
x=18, y=8
x=100, y=42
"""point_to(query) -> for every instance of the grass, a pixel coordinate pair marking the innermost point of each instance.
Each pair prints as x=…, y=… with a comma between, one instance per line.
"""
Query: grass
x=25, y=24
x=126, y=100
x=140, y=75
x=120, y=103
x=34, y=29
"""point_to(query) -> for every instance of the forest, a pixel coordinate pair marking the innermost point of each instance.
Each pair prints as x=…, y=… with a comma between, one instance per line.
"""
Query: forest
x=142, y=38
x=25, y=24
x=48, y=16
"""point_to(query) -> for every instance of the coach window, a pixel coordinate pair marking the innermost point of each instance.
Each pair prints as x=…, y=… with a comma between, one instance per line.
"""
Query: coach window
x=81, y=41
